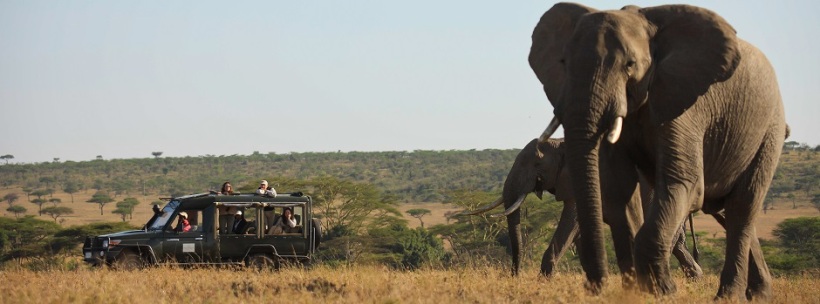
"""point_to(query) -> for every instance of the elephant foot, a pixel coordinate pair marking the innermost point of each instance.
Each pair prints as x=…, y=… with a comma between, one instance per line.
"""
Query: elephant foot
x=732, y=293
x=694, y=273
x=761, y=292
x=629, y=280
x=594, y=288
x=656, y=281
x=547, y=269
x=658, y=287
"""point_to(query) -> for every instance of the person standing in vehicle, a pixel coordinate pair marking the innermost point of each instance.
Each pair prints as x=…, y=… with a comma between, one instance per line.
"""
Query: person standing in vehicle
x=225, y=212
x=264, y=189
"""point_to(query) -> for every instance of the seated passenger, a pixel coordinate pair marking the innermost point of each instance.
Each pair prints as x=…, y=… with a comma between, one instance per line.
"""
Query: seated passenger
x=285, y=224
x=264, y=189
x=239, y=223
x=183, y=225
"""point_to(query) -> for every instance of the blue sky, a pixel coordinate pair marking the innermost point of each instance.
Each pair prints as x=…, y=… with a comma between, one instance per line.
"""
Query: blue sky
x=124, y=78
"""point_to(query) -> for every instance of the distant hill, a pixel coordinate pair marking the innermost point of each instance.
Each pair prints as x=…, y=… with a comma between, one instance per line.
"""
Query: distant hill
x=421, y=176
x=417, y=176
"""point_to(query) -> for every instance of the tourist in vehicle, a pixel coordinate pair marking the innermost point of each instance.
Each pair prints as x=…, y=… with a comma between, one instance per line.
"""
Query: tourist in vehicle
x=264, y=189
x=227, y=189
x=226, y=214
x=285, y=224
x=183, y=225
x=239, y=223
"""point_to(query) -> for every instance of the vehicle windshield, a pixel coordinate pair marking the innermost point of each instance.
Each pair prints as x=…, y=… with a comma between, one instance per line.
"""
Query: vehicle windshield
x=161, y=220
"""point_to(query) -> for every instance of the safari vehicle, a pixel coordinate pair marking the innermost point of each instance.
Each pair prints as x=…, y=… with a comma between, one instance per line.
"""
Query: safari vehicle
x=213, y=238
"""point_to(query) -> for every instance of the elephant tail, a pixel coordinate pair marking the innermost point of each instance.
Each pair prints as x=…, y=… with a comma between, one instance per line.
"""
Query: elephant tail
x=788, y=132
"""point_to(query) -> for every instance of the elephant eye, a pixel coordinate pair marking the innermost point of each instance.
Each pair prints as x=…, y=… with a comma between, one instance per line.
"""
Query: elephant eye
x=630, y=64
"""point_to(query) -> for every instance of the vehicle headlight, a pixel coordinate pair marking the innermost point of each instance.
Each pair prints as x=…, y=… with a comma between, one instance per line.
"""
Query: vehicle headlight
x=105, y=243
x=113, y=243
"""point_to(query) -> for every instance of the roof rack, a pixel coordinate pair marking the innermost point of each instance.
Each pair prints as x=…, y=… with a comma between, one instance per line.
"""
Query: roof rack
x=186, y=196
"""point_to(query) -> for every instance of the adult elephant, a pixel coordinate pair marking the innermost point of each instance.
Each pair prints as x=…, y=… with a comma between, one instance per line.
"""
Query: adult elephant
x=697, y=110
x=533, y=174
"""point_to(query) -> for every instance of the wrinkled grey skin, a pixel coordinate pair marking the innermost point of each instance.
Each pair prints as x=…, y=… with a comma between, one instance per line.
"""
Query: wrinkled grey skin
x=702, y=119
x=533, y=174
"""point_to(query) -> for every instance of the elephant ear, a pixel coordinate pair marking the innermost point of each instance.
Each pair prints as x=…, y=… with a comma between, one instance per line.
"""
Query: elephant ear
x=549, y=37
x=693, y=48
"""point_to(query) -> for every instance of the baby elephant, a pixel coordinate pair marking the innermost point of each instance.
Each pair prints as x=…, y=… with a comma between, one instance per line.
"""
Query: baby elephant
x=531, y=173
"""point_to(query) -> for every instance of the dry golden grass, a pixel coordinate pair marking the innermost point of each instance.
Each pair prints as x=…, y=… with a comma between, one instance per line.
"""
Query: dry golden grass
x=364, y=284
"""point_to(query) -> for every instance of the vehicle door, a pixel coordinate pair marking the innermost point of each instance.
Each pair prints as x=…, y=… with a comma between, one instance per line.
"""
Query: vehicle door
x=234, y=245
x=186, y=247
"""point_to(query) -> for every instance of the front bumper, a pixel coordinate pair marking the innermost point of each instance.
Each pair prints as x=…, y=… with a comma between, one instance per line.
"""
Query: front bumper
x=94, y=252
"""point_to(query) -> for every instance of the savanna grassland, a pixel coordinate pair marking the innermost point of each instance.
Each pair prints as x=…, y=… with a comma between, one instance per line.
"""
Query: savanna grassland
x=360, y=284
x=359, y=257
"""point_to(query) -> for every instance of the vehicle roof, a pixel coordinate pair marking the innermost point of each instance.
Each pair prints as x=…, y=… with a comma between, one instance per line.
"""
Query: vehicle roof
x=203, y=200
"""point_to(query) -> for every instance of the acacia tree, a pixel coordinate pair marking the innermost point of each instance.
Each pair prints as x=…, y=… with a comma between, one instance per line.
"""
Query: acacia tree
x=17, y=210
x=7, y=157
x=39, y=202
x=346, y=207
x=100, y=198
x=126, y=207
x=39, y=193
x=71, y=188
x=156, y=154
x=27, y=191
x=56, y=212
x=11, y=198
x=123, y=213
x=54, y=201
x=47, y=180
x=419, y=213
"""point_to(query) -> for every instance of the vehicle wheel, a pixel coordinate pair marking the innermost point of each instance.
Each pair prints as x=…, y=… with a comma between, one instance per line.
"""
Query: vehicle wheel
x=128, y=260
x=261, y=262
x=317, y=232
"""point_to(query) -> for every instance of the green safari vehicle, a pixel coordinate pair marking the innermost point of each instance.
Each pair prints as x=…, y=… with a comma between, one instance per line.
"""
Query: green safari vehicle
x=224, y=230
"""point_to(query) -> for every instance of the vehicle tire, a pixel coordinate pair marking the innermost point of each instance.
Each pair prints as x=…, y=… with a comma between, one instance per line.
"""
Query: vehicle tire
x=317, y=232
x=128, y=260
x=262, y=262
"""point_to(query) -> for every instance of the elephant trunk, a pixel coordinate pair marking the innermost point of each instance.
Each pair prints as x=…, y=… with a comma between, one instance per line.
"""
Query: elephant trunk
x=514, y=228
x=582, y=159
x=514, y=231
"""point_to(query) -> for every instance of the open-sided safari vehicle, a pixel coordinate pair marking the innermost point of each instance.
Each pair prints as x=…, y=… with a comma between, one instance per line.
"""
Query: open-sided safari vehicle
x=214, y=237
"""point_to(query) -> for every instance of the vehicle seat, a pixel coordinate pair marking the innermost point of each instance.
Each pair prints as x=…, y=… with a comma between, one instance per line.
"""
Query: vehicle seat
x=298, y=219
x=248, y=226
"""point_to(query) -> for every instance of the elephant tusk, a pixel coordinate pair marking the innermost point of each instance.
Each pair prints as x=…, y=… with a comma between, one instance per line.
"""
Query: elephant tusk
x=615, y=132
x=551, y=128
x=512, y=208
x=482, y=209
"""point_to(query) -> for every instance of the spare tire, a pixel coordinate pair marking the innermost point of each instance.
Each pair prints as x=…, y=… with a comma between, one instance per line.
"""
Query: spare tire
x=317, y=233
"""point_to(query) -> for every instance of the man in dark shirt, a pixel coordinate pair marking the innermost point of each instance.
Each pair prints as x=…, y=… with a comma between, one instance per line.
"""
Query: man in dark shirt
x=239, y=223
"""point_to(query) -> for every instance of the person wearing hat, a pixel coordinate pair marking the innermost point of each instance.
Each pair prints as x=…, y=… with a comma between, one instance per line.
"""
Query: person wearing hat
x=183, y=225
x=264, y=189
x=239, y=223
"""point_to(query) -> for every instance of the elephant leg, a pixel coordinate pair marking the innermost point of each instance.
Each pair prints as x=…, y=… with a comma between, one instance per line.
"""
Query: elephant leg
x=741, y=274
x=623, y=212
x=759, y=281
x=679, y=186
x=687, y=263
x=561, y=240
